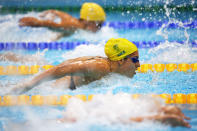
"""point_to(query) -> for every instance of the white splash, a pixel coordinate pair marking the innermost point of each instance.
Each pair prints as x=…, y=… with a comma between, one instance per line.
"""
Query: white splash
x=102, y=35
x=172, y=52
x=111, y=108
x=103, y=110
x=23, y=59
x=86, y=50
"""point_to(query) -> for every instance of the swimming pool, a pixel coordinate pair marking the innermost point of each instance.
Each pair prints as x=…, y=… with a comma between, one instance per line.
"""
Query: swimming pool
x=174, y=45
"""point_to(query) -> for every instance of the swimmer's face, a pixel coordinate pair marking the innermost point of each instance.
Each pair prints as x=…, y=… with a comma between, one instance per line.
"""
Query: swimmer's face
x=130, y=64
x=92, y=25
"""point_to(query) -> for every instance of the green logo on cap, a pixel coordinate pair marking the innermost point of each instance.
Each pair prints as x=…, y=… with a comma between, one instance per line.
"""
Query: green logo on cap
x=121, y=53
x=116, y=47
x=118, y=50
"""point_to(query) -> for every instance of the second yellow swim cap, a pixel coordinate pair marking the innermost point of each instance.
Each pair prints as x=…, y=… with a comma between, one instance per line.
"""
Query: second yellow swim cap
x=117, y=49
x=92, y=12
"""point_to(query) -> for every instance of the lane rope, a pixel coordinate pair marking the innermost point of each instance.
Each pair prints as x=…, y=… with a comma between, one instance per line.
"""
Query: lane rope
x=148, y=24
x=144, y=68
x=38, y=100
x=6, y=46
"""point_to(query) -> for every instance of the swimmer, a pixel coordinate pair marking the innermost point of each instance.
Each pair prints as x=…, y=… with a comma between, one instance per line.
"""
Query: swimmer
x=125, y=112
x=122, y=58
x=169, y=115
x=91, y=18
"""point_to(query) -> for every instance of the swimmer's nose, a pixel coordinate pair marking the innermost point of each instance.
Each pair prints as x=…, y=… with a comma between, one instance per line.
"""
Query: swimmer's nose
x=137, y=64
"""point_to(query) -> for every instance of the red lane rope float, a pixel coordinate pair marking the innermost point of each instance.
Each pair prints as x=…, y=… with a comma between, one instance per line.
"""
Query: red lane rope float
x=52, y=100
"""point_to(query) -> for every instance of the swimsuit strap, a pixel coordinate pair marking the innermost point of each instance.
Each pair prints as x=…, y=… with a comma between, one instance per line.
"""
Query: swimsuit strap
x=72, y=83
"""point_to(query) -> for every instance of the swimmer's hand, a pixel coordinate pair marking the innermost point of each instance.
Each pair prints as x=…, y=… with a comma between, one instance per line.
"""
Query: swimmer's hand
x=169, y=115
x=173, y=110
x=19, y=89
x=173, y=120
x=30, y=21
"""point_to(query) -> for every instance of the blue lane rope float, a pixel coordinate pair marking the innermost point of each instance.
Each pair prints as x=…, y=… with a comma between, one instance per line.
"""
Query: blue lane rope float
x=41, y=45
x=147, y=24
x=52, y=100
x=144, y=68
x=71, y=45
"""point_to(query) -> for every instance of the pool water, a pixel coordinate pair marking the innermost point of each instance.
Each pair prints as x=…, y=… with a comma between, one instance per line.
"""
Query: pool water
x=169, y=51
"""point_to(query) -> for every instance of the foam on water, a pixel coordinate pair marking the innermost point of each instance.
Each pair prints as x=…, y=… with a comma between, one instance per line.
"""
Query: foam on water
x=18, y=58
x=102, y=35
x=172, y=52
x=112, y=111
x=111, y=108
x=86, y=50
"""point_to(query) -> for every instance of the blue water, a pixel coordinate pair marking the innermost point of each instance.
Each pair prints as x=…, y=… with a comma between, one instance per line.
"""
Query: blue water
x=165, y=82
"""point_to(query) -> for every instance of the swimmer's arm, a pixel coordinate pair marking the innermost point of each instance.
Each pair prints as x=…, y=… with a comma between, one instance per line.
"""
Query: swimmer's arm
x=34, y=22
x=172, y=120
x=67, y=20
x=75, y=68
x=70, y=67
x=51, y=74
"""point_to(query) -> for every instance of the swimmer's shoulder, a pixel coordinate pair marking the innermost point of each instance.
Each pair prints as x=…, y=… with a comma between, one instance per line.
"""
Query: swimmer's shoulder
x=97, y=64
x=88, y=59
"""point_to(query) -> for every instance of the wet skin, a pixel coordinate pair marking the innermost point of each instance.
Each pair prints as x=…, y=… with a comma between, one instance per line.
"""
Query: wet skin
x=97, y=67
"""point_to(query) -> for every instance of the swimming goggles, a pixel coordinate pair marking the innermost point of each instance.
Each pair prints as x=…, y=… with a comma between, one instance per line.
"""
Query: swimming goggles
x=134, y=59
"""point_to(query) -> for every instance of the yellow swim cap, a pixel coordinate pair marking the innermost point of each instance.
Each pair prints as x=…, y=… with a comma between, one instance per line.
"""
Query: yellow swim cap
x=92, y=12
x=117, y=49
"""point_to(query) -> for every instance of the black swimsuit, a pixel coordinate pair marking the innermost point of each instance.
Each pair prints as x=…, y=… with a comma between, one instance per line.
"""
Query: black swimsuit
x=72, y=83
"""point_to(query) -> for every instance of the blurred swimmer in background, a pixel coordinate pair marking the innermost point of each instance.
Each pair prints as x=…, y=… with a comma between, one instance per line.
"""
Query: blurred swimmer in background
x=122, y=58
x=126, y=112
x=91, y=18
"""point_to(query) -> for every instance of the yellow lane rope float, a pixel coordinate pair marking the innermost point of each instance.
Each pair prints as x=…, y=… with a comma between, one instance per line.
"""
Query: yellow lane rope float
x=52, y=100
x=144, y=68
